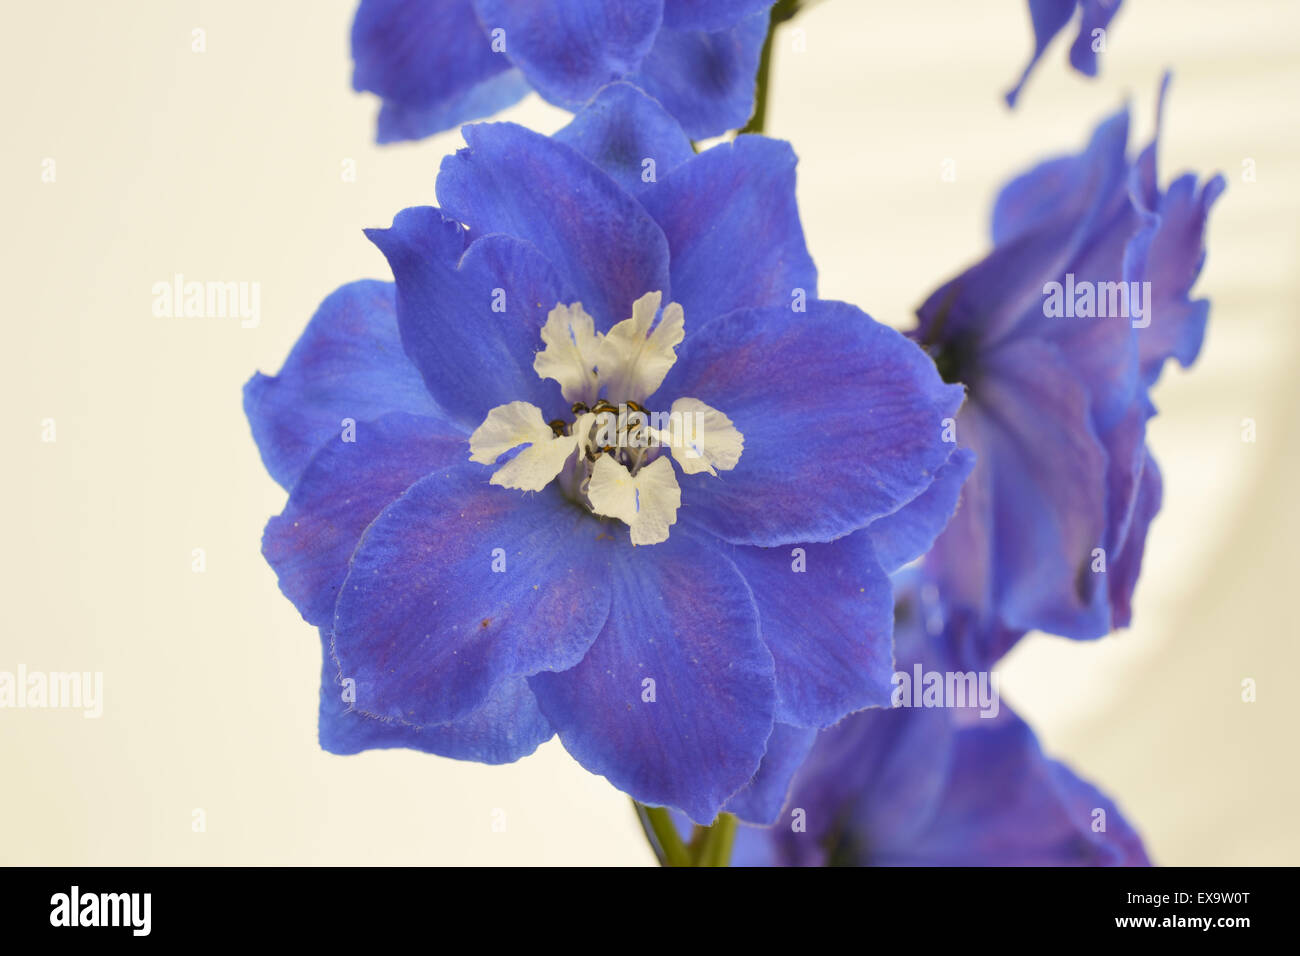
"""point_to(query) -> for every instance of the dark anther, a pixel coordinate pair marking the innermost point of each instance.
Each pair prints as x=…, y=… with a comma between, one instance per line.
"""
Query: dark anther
x=580, y=408
x=559, y=426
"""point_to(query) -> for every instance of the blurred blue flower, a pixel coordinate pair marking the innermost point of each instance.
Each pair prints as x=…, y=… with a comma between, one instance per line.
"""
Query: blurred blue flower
x=1057, y=335
x=436, y=65
x=1050, y=17
x=489, y=563
x=938, y=786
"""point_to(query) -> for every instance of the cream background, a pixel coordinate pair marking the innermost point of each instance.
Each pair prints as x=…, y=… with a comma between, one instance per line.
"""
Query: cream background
x=225, y=165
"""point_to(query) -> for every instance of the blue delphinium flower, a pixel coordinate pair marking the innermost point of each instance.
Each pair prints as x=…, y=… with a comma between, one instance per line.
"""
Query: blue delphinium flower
x=938, y=786
x=1058, y=335
x=436, y=64
x=1050, y=17
x=493, y=555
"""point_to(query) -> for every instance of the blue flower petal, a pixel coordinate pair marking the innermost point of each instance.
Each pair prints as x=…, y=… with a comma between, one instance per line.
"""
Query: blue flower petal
x=620, y=129
x=682, y=617
x=1043, y=222
x=760, y=801
x=508, y=726
x=872, y=782
x=1049, y=18
x=710, y=15
x=733, y=230
x=1097, y=15
x=842, y=418
x=603, y=244
x=349, y=363
x=1169, y=254
x=706, y=79
x=1075, y=189
x=1172, y=264
x=911, y=530
x=828, y=619
x=459, y=586
x=1006, y=804
x=344, y=488
x=1122, y=572
x=473, y=329
x=432, y=65
x=1034, y=507
x=913, y=786
x=570, y=50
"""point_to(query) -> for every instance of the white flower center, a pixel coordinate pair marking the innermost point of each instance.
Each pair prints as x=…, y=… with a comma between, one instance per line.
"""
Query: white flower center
x=610, y=457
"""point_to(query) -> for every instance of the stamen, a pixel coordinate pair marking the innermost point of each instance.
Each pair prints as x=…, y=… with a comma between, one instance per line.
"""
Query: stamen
x=610, y=458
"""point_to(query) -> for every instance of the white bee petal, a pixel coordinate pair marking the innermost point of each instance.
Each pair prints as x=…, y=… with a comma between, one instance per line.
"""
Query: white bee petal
x=646, y=502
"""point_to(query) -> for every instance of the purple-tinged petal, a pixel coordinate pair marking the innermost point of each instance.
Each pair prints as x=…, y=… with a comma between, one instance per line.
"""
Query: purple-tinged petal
x=1122, y=572
x=508, y=725
x=760, y=801
x=1173, y=263
x=343, y=489
x=842, y=418
x=349, y=363
x=1006, y=804
x=472, y=328
x=911, y=531
x=935, y=787
x=1097, y=15
x=1126, y=454
x=733, y=230
x=705, y=79
x=1049, y=478
x=1102, y=350
x=710, y=14
x=603, y=244
x=940, y=634
x=432, y=65
x=673, y=703
x=1040, y=226
x=459, y=586
x=1080, y=189
x=1049, y=18
x=570, y=50
x=620, y=130
x=1034, y=508
x=828, y=619
x=1170, y=253
x=872, y=781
